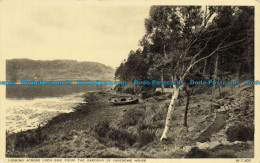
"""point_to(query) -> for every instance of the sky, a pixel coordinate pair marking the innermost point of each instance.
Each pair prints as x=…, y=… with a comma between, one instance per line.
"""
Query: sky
x=47, y=30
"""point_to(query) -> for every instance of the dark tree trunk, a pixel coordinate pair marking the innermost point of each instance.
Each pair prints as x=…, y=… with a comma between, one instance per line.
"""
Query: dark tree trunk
x=186, y=110
x=215, y=75
x=204, y=68
x=162, y=80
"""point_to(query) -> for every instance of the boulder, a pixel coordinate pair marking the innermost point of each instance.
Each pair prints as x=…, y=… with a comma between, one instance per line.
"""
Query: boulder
x=191, y=128
x=221, y=102
x=251, y=143
x=225, y=142
x=226, y=107
x=214, y=144
x=222, y=108
x=237, y=142
x=202, y=145
x=186, y=149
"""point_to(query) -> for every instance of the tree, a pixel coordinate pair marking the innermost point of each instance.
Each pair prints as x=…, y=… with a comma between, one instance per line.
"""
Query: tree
x=189, y=91
x=178, y=38
x=199, y=41
x=161, y=27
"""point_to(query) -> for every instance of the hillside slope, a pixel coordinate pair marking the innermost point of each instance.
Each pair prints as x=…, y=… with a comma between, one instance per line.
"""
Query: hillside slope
x=26, y=69
x=97, y=129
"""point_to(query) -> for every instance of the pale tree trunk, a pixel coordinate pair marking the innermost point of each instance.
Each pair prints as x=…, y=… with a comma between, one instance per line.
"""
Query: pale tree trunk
x=169, y=114
x=162, y=80
x=177, y=89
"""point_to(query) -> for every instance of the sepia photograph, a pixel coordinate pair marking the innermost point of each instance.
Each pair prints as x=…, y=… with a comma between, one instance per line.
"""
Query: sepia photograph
x=105, y=80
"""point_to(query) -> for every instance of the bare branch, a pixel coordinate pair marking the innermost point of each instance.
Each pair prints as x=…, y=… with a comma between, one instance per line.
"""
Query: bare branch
x=191, y=65
x=201, y=50
x=224, y=47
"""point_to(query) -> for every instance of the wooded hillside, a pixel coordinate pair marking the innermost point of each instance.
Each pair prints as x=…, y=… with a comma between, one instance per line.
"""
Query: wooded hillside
x=220, y=39
x=26, y=69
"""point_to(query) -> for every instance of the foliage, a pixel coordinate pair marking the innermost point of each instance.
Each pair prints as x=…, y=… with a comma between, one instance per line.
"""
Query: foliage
x=28, y=139
x=102, y=128
x=26, y=69
x=224, y=154
x=178, y=36
x=90, y=98
x=239, y=132
x=131, y=117
x=145, y=137
x=121, y=137
x=147, y=94
x=195, y=152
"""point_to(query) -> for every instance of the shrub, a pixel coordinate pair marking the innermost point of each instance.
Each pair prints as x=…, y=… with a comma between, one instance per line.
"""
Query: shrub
x=160, y=114
x=158, y=93
x=101, y=128
x=239, y=132
x=122, y=138
x=224, y=154
x=147, y=94
x=129, y=91
x=145, y=137
x=223, y=94
x=251, y=131
x=131, y=117
x=28, y=139
x=195, y=152
x=90, y=98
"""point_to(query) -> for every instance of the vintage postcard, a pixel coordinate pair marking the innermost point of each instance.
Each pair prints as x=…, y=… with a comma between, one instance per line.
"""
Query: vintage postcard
x=129, y=81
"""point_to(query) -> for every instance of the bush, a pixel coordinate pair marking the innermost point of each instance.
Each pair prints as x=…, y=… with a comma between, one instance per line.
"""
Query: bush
x=195, y=152
x=158, y=93
x=145, y=137
x=239, y=132
x=90, y=98
x=28, y=139
x=147, y=94
x=223, y=94
x=129, y=91
x=122, y=138
x=251, y=131
x=102, y=128
x=131, y=117
x=224, y=154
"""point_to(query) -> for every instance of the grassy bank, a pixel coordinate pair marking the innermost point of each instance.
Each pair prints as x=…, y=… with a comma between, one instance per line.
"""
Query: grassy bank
x=98, y=129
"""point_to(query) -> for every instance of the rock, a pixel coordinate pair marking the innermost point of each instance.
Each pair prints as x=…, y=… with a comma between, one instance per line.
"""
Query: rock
x=214, y=144
x=214, y=105
x=234, y=105
x=237, y=142
x=202, y=145
x=221, y=102
x=251, y=109
x=251, y=143
x=186, y=149
x=222, y=108
x=225, y=142
x=191, y=128
x=214, y=100
x=237, y=109
x=239, y=114
x=226, y=107
x=75, y=137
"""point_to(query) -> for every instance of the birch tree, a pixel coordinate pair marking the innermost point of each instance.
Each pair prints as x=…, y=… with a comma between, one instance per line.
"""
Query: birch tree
x=199, y=45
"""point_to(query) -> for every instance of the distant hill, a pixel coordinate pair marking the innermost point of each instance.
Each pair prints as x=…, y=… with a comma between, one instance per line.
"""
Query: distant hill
x=26, y=69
